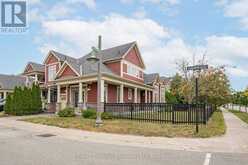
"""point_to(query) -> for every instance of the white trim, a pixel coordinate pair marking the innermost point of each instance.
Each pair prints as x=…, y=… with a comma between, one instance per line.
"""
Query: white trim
x=27, y=67
x=62, y=68
x=50, y=53
x=106, y=87
x=129, y=63
x=107, y=77
x=121, y=67
x=139, y=54
x=48, y=75
x=136, y=67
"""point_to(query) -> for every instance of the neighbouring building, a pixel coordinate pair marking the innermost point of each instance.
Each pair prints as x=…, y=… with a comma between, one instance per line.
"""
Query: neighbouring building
x=67, y=81
x=9, y=82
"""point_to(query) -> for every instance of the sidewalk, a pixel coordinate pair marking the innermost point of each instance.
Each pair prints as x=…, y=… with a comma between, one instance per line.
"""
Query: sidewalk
x=234, y=141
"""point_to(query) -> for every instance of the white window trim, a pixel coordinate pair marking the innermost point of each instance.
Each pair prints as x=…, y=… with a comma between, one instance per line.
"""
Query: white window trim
x=52, y=76
x=129, y=64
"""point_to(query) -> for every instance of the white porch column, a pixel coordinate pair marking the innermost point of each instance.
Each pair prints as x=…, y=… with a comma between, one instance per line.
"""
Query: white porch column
x=135, y=95
x=102, y=91
x=36, y=78
x=149, y=93
x=49, y=95
x=58, y=104
x=85, y=97
x=67, y=98
x=4, y=95
x=80, y=95
x=58, y=94
x=121, y=93
x=145, y=96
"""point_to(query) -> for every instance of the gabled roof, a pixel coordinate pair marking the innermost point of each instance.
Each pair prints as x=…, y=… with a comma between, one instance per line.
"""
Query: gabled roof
x=11, y=81
x=150, y=78
x=36, y=67
x=110, y=54
x=117, y=52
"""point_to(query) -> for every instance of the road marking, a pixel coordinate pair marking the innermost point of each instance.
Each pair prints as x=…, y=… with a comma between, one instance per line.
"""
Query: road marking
x=207, y=159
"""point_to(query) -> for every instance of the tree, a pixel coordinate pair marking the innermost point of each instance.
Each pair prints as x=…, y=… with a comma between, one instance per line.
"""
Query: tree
x=214, y=86
x=170, y=98
x=24, y=101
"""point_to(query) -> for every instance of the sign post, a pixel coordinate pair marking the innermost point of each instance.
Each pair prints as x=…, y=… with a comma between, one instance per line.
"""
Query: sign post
x=197, y=68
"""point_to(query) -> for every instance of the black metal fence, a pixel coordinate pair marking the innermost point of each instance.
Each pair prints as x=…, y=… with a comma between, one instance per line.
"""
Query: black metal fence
x=161, y=112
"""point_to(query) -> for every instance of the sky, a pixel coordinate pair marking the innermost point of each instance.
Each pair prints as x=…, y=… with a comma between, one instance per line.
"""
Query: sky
x=167, y=31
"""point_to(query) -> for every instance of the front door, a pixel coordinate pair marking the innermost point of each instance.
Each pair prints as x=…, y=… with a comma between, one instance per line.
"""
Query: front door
x=75, y=99
x=74, y=96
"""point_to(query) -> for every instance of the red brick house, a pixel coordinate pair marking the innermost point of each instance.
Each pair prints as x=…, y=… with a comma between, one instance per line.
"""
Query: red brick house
x=68, y=81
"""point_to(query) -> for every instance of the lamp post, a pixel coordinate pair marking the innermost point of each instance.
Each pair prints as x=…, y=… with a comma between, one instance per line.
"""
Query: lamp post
x=98, y=59
x=197, y=68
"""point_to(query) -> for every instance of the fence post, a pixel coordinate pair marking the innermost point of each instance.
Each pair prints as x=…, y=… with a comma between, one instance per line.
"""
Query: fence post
x=197, y=119
x=104, y=107
x=132, y=108
x=173, y=113
x=204, y=114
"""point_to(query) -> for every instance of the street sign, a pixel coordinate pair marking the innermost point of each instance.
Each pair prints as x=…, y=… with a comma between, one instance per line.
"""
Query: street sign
x=197, y=67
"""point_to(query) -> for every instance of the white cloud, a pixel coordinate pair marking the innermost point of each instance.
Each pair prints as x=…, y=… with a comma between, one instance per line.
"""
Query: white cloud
x=239, y=72
x=91, y=4
x=236, y=9
x=159, y=46
x=59, y=10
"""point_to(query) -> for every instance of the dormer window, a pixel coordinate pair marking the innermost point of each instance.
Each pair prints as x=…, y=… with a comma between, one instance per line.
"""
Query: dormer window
x=51, y=72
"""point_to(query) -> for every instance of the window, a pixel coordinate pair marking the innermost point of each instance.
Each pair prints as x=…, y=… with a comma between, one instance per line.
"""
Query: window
x=130, y=94
x=132, y=70
x=51, y=72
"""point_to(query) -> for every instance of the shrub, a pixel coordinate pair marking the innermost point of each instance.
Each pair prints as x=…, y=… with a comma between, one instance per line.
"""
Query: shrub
x=107, y=115
x=24, y=101
x=67, y=112
x=89, y=114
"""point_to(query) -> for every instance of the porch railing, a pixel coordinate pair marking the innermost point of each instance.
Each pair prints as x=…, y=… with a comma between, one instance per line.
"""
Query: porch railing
x=161, y=112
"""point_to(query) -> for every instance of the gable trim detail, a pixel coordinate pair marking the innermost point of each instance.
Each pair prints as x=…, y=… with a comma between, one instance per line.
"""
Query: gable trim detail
x=61, y=70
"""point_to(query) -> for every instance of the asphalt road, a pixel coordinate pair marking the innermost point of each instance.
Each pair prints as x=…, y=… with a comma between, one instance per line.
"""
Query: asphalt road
x=19, y=147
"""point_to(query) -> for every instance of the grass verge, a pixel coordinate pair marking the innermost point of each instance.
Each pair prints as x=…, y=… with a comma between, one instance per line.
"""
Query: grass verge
x=242, y=115
x=215, y=126
x=2, y=114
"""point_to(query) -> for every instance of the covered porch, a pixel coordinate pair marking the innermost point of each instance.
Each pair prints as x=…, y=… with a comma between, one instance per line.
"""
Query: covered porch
x=82, y=94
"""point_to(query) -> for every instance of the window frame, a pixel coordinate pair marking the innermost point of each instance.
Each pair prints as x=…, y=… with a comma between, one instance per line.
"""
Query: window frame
x=52, y=71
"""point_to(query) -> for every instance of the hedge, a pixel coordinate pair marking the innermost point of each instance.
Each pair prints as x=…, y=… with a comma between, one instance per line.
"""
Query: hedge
x=24, y=101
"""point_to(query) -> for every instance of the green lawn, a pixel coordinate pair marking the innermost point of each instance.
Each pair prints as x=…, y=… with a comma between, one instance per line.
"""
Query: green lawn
x=215, y=126
x=242, y=115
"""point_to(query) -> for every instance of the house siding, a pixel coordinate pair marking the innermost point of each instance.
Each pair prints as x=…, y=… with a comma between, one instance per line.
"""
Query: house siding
x=112, y=93
x=132, y=57
x=126, y=100
x=29, y=69
x=115, y=67
x=68, y=72
x=51, y=60
x=129, y=77
x=92, y=94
